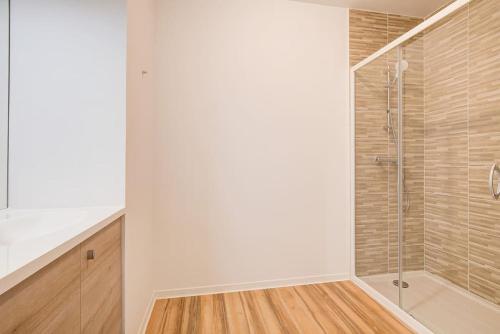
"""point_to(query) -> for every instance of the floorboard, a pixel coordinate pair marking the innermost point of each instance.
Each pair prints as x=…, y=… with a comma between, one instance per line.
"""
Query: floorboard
x=339, y=307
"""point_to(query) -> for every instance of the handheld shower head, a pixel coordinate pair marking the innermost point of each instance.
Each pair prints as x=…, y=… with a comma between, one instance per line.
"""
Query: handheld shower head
x=403, y=66
x=400, y=68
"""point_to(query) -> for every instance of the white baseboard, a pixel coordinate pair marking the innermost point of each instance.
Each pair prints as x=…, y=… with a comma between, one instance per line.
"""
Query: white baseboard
x=225, y=288
x=147, y=314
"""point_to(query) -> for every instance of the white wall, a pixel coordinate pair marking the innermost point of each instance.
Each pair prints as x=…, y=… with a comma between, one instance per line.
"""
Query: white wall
x=251, y=170
x=67, y=125
x=4, y=99
x=138, y=286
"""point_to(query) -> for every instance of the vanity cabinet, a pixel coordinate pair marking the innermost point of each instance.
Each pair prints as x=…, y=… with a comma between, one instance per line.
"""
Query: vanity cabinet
x=46, y=302
x=80, y=292
x=101, y=259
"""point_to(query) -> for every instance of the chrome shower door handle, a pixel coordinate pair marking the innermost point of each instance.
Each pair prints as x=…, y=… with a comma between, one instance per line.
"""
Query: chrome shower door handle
x=495, y=193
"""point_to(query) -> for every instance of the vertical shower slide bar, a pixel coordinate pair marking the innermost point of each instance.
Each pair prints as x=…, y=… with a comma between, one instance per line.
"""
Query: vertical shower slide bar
x=400, y=176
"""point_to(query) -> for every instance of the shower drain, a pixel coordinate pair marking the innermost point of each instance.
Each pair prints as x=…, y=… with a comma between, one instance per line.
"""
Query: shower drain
x=405, y=284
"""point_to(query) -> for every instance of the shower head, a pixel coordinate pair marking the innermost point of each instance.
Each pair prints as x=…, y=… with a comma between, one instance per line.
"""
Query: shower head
x=403, y=65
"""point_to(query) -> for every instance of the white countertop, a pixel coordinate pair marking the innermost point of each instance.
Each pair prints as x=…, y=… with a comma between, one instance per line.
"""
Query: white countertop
x=31, y=239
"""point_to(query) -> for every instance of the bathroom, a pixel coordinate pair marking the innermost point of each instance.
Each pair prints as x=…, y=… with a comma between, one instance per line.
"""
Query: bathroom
x=249, y=166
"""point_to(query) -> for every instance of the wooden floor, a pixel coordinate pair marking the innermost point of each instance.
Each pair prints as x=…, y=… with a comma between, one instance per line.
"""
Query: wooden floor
x=339, y=307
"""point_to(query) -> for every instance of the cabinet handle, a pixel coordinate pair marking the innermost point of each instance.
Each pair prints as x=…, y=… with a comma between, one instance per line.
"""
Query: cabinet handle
x=91, y=254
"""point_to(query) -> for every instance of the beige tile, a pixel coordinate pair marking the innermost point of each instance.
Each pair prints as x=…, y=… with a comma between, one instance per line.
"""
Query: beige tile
x=413, y=119
x=370, y=101
x=371, y=179
x=378, y=238
x=413, y=216
x=485, y=147
x=445, y=77
x=414, y=179
x=370, y=123
x=367, y=149
x=485, y=282
x=397, y=25
x=413, y=219
x=484, y=248
x=413, y=136
x=371, y=233
x=446, y=265
x=484, y=116
x=367, y=34
x=445, y=208
x=412, y=146
x=413, y=256
x=450, y=180
x=447, y=151
x=484, y=215
x=478, y=181
x=416, y=206
x=484, y=68
x=413, y=232
x=371, y=261
x=443, y=119
x=445, y=47
x=413, y=53
x=446, y=223
x=448, y=238
x=372, y=220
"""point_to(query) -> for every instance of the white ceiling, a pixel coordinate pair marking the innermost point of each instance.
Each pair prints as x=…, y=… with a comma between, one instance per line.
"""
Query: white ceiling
x=416, y=8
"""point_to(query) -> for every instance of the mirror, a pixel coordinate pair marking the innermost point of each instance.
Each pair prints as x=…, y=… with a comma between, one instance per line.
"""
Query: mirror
x=4, y=99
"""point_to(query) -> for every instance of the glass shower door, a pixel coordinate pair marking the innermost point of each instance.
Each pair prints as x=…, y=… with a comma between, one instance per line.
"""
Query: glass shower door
x=450, y=113
x=435, y=249
x=376, y=142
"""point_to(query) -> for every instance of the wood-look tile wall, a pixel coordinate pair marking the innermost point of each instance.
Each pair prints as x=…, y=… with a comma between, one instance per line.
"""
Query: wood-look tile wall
x=462, y=127
x=484, y=147
x=376, y=215
x=446, y=146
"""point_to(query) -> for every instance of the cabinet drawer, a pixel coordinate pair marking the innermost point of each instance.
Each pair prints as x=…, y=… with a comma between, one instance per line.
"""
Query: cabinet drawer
x=46, y=302
x=101, y=281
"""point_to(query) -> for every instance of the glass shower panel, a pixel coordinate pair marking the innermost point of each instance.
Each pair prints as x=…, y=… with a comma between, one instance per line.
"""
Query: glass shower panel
x=484, y=150
x=376, y=245
x=413, y=159
x=451, y=134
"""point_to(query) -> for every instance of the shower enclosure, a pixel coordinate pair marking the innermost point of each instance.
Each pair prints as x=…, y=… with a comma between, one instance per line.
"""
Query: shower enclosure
x=426, y=143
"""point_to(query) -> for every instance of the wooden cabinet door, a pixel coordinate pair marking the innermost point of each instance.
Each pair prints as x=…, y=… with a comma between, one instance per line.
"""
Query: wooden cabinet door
x=46, y=302
x=101, y=279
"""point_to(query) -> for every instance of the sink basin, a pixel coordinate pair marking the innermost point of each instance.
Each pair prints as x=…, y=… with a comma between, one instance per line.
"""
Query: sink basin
x=25, y=225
